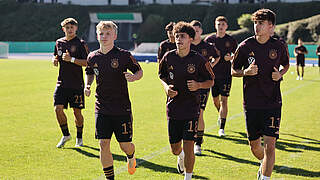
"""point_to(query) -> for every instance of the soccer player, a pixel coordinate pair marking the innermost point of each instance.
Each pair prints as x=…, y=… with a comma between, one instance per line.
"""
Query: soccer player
x=70, y=53
x=168, y=44
x=222, y=70
x=299, y=52
x=211, y=53
x=109, y=64
x=182, y=73
x=257, y=60
x=318, y=53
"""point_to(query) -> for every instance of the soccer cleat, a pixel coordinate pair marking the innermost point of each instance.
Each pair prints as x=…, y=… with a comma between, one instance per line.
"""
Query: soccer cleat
x=197, y=150
x=221, y=132
x=131, y=165
x=63, y=140
x=79, y=142
x=180, y=165
x=301, y=78
x=259, y=174
x=298, y=78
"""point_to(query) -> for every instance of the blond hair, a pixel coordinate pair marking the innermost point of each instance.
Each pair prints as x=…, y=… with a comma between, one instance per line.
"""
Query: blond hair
x=71, y=21
x=107, y=25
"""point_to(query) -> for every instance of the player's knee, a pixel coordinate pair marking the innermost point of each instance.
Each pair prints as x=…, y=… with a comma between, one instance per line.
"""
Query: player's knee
x=77, y=112
x=104, y=145
x=176, y=150
x=58, y=110
x=128, y=148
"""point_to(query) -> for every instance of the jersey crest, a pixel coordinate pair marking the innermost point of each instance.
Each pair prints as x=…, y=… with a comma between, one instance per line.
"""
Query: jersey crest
x=114, y=63
x=273, y=54
x=227, y=44
x=204, y=52
x=191, y=68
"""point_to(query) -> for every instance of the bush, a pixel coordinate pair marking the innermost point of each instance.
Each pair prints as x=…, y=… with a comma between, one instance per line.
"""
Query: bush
x=244, y=21
x=150, y=30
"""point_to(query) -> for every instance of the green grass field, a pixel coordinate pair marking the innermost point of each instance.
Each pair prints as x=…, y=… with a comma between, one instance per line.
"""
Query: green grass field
x=29, y=131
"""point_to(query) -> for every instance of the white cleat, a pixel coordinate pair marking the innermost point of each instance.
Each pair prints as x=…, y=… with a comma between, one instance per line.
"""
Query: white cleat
x=180, y=165
x=79, y=142
x=298, y=78
x=221, y=132
x=197, y=150
x=63, y=140
x=301, y=78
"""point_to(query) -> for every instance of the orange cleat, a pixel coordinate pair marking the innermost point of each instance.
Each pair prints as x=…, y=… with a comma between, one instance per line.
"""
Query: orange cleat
x=131, y=165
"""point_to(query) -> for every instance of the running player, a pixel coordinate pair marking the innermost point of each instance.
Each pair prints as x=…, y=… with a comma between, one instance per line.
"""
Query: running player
x=168, y=44
x=70, y=53
x=182, y=72
x=211, y=53
x=109, y=65
x=221, y=89
x=299, y=52
x=258, y=60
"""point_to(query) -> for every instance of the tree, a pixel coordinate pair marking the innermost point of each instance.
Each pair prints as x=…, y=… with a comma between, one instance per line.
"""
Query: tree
x=244, y=21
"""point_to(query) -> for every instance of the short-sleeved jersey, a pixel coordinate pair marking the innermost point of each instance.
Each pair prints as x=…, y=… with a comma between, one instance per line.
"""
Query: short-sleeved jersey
x=70, y=74
x=176, y=71
x=227, y=44
x=260, y=91
x=164, y=47
x=300, y=56
x=112, y=88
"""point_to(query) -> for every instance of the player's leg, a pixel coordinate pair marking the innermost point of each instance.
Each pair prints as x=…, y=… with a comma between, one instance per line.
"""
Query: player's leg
x=201, y=124
x=302, y=72
x=123, y=132
x=269, y=153
x=215, y=95
x=106, y=158
x=189, y=132
x=77, y=103
x=298, y=73
x=60, y=102
x=104, y=130
x=175, y=131
x=270, y=132
x=223, y=114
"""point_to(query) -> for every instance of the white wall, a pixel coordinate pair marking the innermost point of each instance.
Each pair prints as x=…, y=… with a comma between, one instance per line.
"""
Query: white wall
x=93, y=2
x=167, y=1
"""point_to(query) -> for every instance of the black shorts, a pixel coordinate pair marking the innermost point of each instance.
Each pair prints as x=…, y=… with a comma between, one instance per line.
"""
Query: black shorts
x=65, y=96
x=261, y=122
x=121, y=126
x=221, y=87
x=204, y=93
x=182, y=129
x=301, y=62
x=319, y=62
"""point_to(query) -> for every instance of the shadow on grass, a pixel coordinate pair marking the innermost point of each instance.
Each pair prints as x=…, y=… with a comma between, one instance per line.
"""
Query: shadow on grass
x=140, y=162
x=282, y=144
x=278, y=169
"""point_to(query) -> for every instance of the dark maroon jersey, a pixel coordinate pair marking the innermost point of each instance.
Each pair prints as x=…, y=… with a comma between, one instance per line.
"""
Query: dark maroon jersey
x=227, y=44
x=300, y=56
x=70, y=74
x=112, y=88
x=260, y=91
x=275, y=36
x=164, y=47
x=175, y=71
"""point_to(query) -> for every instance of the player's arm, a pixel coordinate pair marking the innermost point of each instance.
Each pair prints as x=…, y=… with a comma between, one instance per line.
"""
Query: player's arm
x=54, y=59
x=89, y=78
x=135, y=68
x=168, y=89
x=215, y=58
x=238, y=64
x=133, y=77
x=67, y=57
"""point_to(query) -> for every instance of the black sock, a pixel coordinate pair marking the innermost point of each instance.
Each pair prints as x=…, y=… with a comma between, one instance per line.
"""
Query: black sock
x=222, y=123
x=130, y=156
x=79, y=131
x=65, y=130
x=199, y=138
x=109, y=173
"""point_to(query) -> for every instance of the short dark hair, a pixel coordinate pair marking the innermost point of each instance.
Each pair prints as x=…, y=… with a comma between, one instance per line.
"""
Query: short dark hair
x=71, y=21
x=169, y=27
x=196, y=23
x=183, y=27
x=264, y=14
x=221, y=18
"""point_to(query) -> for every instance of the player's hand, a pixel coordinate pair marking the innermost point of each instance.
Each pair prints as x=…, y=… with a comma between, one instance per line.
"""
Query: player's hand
x=55, y=60
x=251, y=70
x=276, y=75
x=87, y=91
x=228, y=57
x=66, y=56
x=129, y=77
x=193, y=85
x=170, y=92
